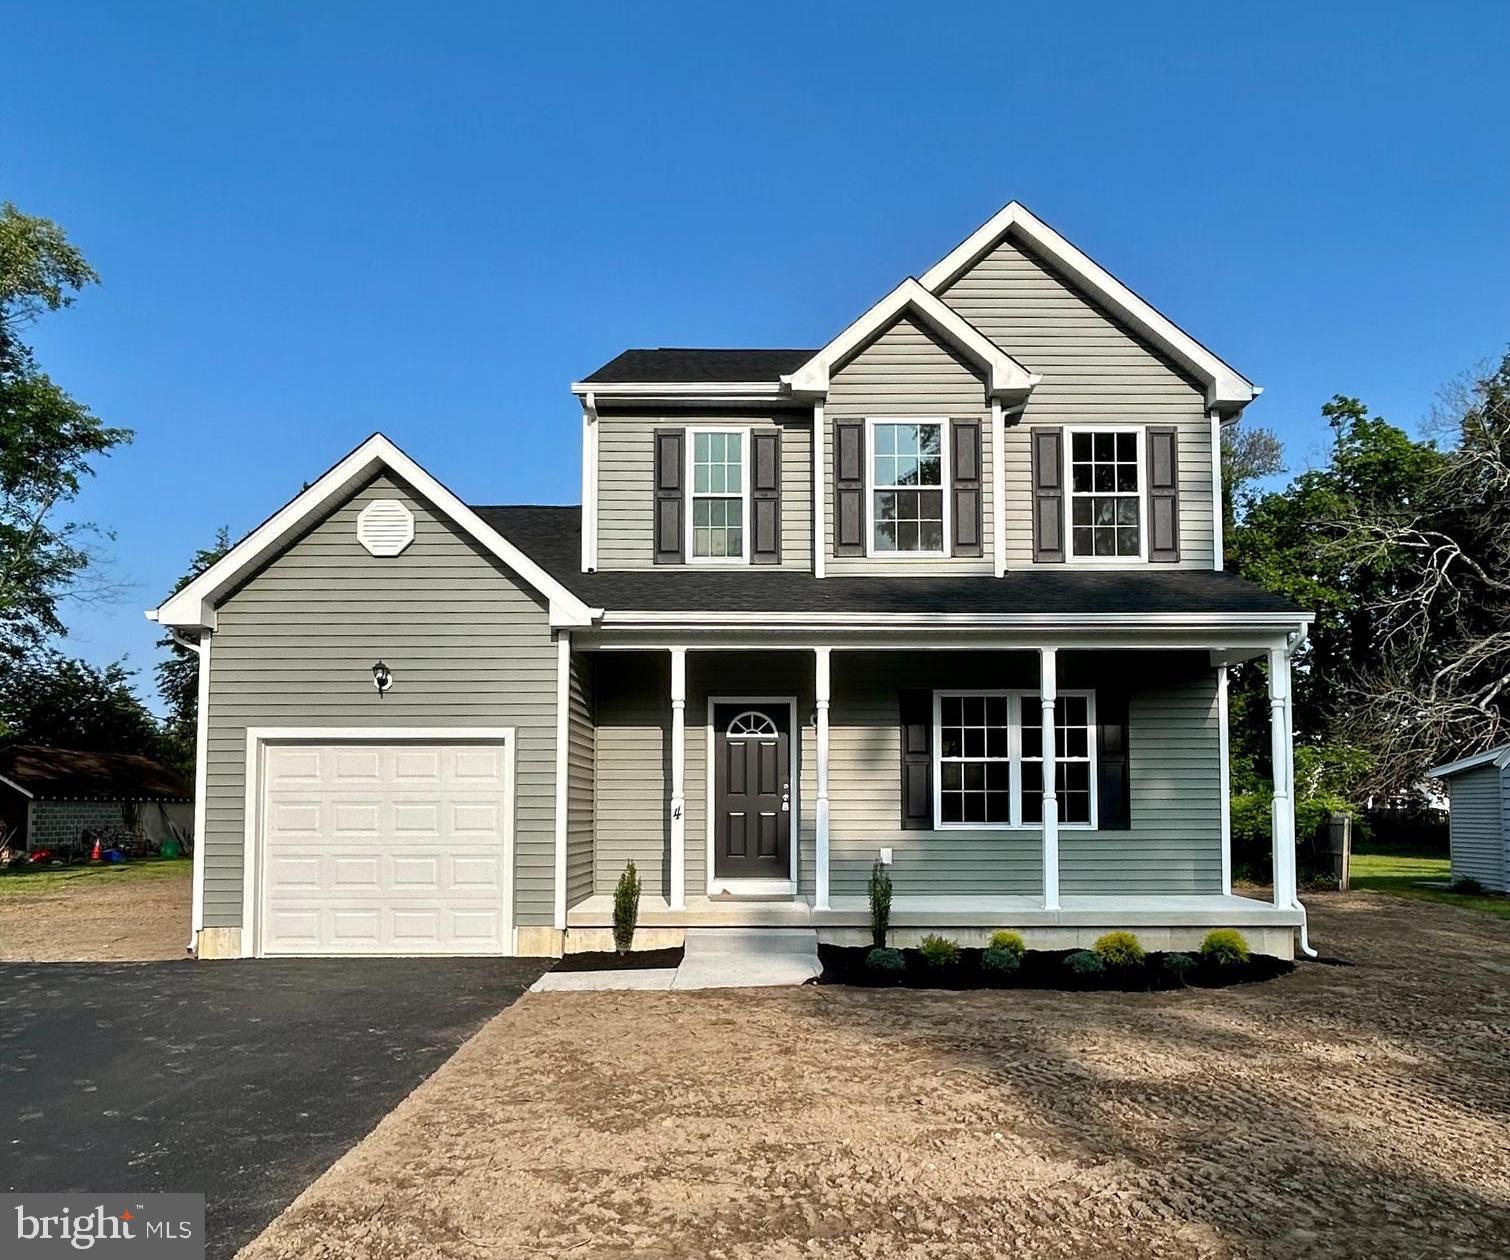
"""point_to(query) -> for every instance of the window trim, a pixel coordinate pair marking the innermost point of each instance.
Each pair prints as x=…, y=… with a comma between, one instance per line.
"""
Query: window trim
x=1016, y=698
x=1070, y=494
x=690, y=494
x=946, y=478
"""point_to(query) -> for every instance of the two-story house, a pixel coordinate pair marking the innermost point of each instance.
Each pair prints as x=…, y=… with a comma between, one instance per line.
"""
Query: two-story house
x=945, y=593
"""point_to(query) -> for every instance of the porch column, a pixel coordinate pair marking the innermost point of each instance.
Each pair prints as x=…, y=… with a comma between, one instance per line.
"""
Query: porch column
x=821, y=694
x=678, y=897
x=1048, y=685
x=1283, y=750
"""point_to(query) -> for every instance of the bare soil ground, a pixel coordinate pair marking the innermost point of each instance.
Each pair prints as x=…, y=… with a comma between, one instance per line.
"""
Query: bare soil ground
x=1339, y=1111
x=132, y=915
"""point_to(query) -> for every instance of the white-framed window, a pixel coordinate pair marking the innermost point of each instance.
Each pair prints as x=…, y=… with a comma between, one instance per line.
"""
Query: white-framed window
x=1105, y=469
x=988, y=759
x=907, y=482
x=718, y=496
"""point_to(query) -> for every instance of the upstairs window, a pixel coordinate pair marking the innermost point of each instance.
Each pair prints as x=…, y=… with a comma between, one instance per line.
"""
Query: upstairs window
x=907, y=488
x=1106, y=494
x=718, y=492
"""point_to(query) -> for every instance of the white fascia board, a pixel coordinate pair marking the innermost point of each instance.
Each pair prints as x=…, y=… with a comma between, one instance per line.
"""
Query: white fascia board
x=1226, y=388
x=194, y=606
x=1158, y=620
x=11, y=783
x=1500, y=757
x=1007, y=378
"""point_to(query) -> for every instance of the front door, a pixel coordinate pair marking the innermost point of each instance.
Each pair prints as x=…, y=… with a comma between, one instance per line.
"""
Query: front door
x=752, y=792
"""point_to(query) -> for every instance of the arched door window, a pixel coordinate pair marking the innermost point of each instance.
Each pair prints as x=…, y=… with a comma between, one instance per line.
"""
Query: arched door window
x=752, y=724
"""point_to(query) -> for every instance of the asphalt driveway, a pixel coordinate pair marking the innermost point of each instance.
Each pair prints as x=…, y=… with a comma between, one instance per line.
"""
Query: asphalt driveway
x=241, y=1080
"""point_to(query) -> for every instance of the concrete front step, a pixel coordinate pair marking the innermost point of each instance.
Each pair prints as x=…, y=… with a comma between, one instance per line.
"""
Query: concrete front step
x=738, y=958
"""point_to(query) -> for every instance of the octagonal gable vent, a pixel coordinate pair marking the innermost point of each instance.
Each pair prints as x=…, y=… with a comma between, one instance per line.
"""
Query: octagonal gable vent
x=385, y=527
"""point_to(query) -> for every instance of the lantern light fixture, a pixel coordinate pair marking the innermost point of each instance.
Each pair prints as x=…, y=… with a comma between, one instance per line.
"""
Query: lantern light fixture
x=382, y=678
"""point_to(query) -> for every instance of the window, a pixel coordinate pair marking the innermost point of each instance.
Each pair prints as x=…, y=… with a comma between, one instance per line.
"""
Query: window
x=907, y=488
x=988, y=759
x=717, y=519
x=1106, y=494
x=752, y=724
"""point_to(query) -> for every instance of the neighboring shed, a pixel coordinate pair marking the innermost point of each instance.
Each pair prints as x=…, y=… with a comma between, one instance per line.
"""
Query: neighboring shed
x=56, y=797
x=1478, y=788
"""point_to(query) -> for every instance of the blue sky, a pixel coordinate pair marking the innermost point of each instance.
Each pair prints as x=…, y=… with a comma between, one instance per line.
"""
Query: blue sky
x=317, y=220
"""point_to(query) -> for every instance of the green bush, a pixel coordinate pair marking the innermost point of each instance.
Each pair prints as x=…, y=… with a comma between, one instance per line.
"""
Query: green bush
x=1001, y=960
x=1085, y=963
x=880, y=904
x=1008, y=941
x=626, y=909
x=1224, y=947
x=1179, y=966
x=885, y=960
x=1119, y=949
x=939, y=951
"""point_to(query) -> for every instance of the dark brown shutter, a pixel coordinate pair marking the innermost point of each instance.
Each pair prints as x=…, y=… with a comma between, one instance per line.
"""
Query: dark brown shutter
x=849, y=487
x=1163, y=495
x=917, y=760
x=1113, y=788
x=670, y=469
x=1048, y=495
x=765, y=496
x=965, y=523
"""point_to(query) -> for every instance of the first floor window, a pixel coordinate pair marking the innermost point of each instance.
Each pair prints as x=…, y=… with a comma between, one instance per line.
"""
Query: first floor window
x=990, y=758
x=1106, y=495
x=718, y=500
x=907, y=488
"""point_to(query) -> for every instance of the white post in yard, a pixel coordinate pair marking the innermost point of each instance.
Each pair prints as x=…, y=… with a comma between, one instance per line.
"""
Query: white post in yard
x=1283, y=750
x=1048, y=690
x=821, y=695
x=678, y=898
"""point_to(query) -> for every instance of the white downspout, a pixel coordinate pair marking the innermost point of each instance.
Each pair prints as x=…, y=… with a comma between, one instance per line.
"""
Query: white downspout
x=1305, y=940
x=201, y=774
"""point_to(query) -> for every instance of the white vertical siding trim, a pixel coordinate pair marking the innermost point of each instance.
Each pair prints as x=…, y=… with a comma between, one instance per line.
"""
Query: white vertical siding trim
x=563, y=723
x=201, y=786
x=998, y=492
x=819, y=506
x=1223, y=743
x=589, y=486
x=678, y=898
x=1217, y=560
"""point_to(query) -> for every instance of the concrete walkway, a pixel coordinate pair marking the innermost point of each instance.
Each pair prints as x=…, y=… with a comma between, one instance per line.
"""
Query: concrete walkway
x=715, y=958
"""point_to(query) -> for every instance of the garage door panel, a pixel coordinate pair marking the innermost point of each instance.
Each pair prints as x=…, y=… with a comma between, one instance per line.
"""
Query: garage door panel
x=384, y=849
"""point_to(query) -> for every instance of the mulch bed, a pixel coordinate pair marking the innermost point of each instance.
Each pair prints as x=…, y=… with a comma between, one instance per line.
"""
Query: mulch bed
x=611, y=960
x=1040, y=969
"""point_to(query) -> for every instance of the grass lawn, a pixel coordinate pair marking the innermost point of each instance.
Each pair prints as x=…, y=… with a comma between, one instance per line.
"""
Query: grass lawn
x=41, y=879
x=1401, y=876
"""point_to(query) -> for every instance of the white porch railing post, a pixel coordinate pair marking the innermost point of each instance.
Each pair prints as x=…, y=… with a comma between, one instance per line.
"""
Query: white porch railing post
x=1283, y=750
x=678, y=897
x=1048, y=690
x=821, y=683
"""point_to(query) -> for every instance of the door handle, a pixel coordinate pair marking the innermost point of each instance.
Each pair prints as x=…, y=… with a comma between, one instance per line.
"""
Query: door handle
x=786, y=803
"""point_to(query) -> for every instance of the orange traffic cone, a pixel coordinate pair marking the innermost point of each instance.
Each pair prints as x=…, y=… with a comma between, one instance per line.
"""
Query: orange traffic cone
x=94, y=855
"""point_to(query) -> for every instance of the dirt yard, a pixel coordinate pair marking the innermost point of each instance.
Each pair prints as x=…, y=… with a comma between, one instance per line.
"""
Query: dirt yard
x=1341, y=1111
x=90, y=915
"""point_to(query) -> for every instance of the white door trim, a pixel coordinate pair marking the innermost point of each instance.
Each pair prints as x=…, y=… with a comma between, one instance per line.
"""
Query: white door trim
x=756, y=887
x=259, y=737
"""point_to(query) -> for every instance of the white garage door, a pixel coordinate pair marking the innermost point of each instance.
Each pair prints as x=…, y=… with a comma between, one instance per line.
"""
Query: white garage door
x=384, y=848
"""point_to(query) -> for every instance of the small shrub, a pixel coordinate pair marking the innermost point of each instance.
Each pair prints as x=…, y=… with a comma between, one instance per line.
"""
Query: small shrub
x=626, y=909
x=1224, y=947
x=1001, y=960
x=886, y=961
x=880, y=905
x=1119, y=950
x=1008, y=941
x=1179, y=966
x=939, y=951
x=1467, y=887
x=1085, y=963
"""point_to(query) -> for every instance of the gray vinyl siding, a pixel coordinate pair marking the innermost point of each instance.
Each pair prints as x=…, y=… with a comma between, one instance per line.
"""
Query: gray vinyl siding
x=1095, y=371
x=907, y=371
x=469, y=645
x=581, y=774
x=626, y=462
x=1477, y=826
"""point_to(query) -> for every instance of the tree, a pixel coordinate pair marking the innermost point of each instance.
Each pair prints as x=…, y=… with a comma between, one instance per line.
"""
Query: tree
x=178, y=675
x=53, y=700
x=1248, y=455
x=47, y=438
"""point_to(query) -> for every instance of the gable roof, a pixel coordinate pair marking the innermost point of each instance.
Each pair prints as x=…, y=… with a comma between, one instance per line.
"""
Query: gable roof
x=1227, y=389
x=194, y=606
x=678, y=363
x=58, y=774
x=1006, y=377
x=1500, y=757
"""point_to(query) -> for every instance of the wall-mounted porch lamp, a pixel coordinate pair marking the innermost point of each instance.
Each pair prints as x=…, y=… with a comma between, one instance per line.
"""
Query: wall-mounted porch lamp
x=382, y=678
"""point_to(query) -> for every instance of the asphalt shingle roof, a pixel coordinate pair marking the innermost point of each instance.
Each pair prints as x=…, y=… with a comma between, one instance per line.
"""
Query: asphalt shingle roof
x=675, y=364
x=551, y=536
x=68, y=774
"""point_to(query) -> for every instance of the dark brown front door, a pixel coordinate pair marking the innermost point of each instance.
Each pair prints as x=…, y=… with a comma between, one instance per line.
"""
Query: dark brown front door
x=752, y=792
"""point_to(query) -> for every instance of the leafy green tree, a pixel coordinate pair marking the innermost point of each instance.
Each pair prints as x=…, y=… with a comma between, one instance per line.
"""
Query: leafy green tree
x=178, y=674
x=50, y=699
x=47, y=438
